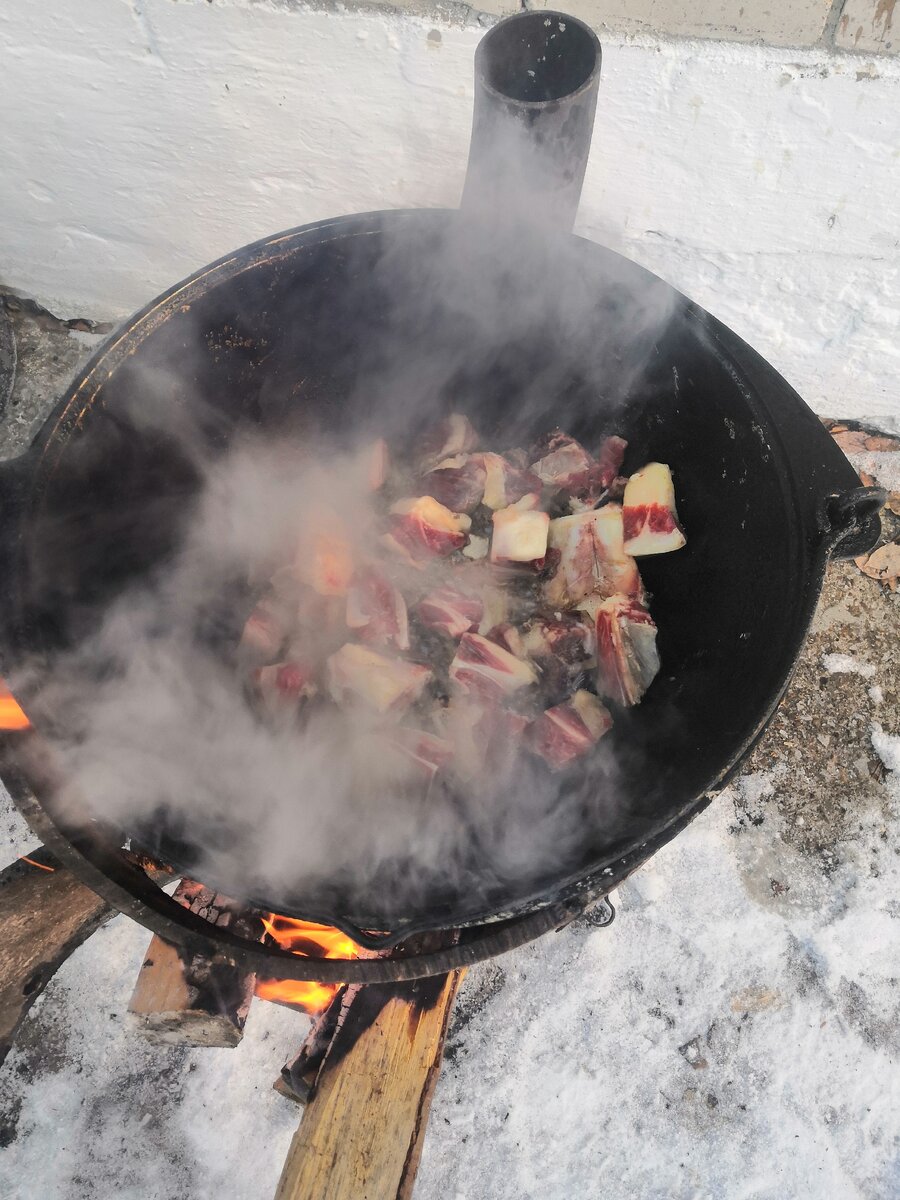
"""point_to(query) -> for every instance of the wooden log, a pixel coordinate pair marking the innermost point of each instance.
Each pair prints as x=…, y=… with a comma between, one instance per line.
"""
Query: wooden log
x=362, y=1131
x=189, y=999
x=45, y=913
x=297, y=1080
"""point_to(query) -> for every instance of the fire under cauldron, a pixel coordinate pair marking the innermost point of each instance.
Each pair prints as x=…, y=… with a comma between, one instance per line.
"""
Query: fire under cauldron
x=281, y=332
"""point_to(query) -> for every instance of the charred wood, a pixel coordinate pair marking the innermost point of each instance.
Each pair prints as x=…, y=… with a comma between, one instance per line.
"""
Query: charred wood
x=45, y=914
x=188, y=999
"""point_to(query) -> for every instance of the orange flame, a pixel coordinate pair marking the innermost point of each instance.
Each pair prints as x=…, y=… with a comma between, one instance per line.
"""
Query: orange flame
x=312, y=997
x=308, y=941
x=11, y=715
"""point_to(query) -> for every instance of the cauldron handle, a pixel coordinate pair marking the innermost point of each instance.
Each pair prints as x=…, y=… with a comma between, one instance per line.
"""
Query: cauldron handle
x=854, y=520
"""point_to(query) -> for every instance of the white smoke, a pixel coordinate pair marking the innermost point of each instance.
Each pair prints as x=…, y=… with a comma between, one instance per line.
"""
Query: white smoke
x=153, y=726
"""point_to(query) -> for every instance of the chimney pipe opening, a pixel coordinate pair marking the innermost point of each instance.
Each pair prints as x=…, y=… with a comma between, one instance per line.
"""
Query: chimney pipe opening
x=537, y=57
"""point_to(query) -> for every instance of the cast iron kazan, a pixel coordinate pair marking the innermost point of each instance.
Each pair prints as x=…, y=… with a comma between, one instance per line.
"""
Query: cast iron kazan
x=315, y=330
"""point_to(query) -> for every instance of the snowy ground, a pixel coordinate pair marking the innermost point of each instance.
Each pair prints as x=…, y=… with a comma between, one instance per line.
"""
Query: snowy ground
x=734, y=1035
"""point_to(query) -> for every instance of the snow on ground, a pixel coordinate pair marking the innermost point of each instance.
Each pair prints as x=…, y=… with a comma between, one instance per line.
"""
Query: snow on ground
x=15, y=836
x=714, y=1042
x=846, y=664
x=720, y=1040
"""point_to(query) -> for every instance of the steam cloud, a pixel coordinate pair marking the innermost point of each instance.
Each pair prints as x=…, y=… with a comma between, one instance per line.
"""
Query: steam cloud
x=151, y=722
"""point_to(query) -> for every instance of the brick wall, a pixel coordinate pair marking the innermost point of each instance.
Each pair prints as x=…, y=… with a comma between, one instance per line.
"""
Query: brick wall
x=865, y=26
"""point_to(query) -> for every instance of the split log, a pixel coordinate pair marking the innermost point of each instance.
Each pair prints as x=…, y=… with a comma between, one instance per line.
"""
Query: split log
x=45, y=914
x=363, y=1128
x=187, y=999
x=297, y=1080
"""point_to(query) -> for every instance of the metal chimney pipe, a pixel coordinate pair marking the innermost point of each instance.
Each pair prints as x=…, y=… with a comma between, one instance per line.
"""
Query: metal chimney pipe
x=536, y=81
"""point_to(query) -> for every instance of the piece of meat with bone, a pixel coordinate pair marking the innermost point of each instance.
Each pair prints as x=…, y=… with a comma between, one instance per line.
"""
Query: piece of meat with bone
x=651, y=522
x=568, y=637
x=509, y=638
x=457, y=483
x=376, y=610
x=592, y=558
x=265, y=630
x=627, y=658
x=561, y=463
x=609, y=459
x=476, y=548
x=284, y=686
x=324, y=557
x=359, y=675
x=603, y=481
x=422, y=528
x=521, y=621
x=482, y=668
x=453, y=435
x=563, y=649
x=496, y=603
x=374, y=463
x=566, y=732
x=485, y=739
x=425, y=751
x=520, y=534
x=505, y=484
x=450, y=610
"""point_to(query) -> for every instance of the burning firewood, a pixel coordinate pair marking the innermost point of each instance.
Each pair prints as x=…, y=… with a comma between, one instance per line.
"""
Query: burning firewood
x=189, y=999
x=45, y=914
x=297, y=1080
x=368, y=1093
x=308, y=940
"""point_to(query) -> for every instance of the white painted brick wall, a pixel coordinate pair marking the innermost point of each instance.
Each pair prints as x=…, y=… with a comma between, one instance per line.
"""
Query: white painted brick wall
x=869, y=25
x=141, y=140
x=796, y=23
